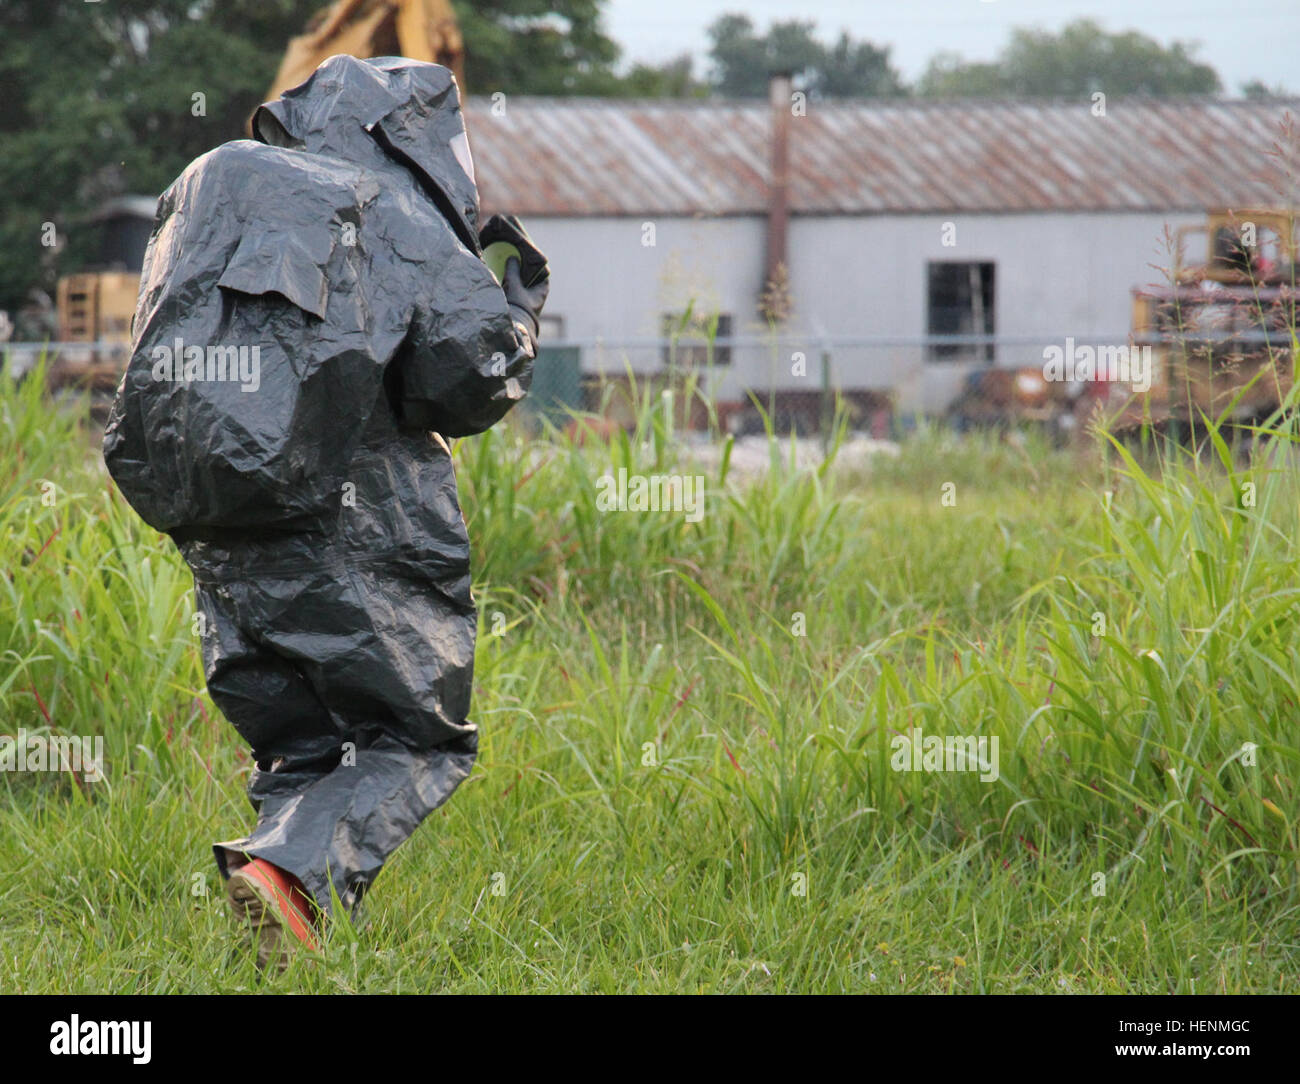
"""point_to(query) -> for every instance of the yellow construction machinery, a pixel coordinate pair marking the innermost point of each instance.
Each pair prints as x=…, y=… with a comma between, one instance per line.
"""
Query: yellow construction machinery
x=420, y=29
x=95, y=305
x=1220, y=333
x=1215, y=341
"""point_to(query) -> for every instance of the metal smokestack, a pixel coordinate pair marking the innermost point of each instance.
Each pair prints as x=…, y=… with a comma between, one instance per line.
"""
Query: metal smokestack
x=773, y=302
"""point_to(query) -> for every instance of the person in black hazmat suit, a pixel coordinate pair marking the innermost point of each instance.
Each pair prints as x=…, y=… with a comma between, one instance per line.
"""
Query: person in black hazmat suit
x=314, y=317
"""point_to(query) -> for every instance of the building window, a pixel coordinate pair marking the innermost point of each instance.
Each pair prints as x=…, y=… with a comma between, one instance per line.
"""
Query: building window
x=960, y=303
x=550, y=329
x=686, y=338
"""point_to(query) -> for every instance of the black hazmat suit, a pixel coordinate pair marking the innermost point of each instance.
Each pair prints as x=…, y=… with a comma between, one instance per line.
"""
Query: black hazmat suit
x=304, y=482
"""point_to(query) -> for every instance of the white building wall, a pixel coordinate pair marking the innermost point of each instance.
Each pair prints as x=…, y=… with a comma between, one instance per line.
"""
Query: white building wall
x=1056, y=275
x=607, y=283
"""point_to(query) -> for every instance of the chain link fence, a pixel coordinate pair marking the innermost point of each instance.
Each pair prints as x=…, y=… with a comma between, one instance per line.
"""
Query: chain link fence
x=881, y=386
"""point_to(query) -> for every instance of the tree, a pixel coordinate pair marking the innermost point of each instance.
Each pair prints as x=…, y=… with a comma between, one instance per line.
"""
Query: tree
x=857, y=69
x=101, y=99
x=745, y=60
x=536, y=46
x=949, y=76
x=673, y=79
x=1257, y=90
x=1081, y=59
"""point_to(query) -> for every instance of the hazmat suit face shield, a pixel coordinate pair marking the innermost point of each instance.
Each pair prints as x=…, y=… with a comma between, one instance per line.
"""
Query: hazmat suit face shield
x=428, y=131
x=460, y=149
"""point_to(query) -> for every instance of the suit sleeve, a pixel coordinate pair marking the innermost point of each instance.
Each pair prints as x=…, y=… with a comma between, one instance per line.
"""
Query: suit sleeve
x=467, y=359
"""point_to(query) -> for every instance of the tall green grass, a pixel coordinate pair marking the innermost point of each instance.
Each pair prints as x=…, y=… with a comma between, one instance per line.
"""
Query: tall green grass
x=685, y=780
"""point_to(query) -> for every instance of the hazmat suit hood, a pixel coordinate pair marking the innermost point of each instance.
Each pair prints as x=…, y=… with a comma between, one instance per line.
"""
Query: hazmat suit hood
x=406, y=111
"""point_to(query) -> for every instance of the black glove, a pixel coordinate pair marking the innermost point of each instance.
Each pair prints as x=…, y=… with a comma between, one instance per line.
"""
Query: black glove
x=527, y=280
x=525, y=301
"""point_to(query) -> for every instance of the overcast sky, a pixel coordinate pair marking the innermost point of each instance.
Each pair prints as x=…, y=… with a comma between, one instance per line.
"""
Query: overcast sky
x=1242, y=39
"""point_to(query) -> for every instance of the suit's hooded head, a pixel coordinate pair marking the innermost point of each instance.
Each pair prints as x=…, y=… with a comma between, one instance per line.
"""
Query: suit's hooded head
x=379, y=113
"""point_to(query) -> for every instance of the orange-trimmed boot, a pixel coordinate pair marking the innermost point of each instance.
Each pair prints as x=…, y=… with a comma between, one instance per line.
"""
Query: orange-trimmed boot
x=277, y=908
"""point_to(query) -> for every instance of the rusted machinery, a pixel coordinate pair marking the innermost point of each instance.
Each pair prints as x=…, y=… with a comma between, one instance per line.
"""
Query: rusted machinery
x=1221, y=333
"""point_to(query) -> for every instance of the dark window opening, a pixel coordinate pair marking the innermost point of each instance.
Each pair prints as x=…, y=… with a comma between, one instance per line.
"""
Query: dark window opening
x=960, y=302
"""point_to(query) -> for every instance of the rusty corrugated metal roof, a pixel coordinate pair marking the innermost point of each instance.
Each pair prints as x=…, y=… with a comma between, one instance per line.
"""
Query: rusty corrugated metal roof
x=575, y=156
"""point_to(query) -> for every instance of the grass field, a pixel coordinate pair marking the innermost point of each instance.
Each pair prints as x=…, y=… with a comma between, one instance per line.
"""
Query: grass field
x=685, y=780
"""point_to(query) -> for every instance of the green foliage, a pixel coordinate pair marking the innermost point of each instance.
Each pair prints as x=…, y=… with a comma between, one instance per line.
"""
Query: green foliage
x=744, y=60
x=1081, y=59
x=99, y=101
x=672, y=79
x=1257, y=90
x=669, y=758
x=536, y=46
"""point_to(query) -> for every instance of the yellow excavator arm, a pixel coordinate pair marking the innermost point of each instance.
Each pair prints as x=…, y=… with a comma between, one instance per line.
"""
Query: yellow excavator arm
x=419, y=29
